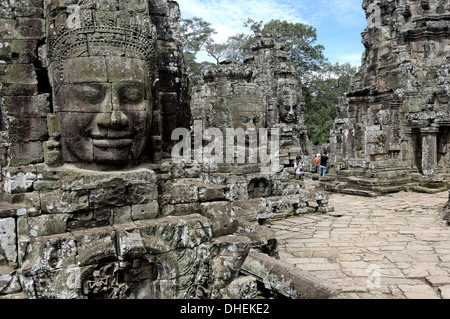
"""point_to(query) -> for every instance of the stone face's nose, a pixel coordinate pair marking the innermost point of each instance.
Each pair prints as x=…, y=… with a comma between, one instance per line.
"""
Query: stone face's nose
x=114, y=120
x=112, y=117
x=291, y=111
x=118, y=119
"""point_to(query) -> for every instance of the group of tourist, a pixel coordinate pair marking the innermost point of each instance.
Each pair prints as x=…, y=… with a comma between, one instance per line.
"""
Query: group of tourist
x=320, y=165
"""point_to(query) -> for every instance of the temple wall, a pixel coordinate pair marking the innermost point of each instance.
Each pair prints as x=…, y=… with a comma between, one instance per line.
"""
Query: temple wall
x=397, y=107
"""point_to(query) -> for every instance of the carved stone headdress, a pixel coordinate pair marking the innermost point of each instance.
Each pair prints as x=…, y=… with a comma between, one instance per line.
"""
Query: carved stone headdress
x=81, y=28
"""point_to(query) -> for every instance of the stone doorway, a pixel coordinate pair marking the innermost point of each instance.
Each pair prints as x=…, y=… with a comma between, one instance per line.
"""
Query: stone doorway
x=443, y=140
x=417, y=149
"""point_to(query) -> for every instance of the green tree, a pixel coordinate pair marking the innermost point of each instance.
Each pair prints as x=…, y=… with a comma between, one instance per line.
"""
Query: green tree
x=195, y=34
x=321, y=97
x=299, y=40
x=322, y=82
x=218, y=51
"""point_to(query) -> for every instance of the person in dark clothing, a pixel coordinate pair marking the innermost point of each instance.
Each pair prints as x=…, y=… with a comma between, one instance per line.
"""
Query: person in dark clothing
x=323, y=165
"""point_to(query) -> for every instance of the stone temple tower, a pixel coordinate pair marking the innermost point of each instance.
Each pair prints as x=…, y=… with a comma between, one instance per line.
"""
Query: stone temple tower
x=92, y=205
x=395, y=119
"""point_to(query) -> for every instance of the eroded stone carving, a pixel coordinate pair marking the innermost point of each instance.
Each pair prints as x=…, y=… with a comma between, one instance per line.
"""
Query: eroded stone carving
x=393, y=124
x=102, y=74
x=91, y=204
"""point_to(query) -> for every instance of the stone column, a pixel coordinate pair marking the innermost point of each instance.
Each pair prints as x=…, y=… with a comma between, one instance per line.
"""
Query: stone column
x=429, y=150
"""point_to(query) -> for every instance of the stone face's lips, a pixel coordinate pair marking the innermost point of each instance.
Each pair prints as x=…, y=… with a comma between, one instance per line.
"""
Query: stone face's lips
x=290, y=118
x=112, y=143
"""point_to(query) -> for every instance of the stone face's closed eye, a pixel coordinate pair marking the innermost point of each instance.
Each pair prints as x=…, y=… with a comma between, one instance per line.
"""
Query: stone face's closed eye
x=93, y=93
x=131, y=93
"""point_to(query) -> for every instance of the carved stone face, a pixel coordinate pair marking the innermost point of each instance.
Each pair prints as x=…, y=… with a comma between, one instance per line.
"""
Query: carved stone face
x=248, y=117
x=104, y=109
x=288, y=107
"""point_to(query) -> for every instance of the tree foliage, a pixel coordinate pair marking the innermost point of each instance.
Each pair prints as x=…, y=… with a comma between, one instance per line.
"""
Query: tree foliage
x=299, y=40
x=321, y=97
x=322, y=82
x=196, y=34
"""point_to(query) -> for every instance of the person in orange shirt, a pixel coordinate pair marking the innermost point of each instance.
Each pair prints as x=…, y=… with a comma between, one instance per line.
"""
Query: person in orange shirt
x=316, y=163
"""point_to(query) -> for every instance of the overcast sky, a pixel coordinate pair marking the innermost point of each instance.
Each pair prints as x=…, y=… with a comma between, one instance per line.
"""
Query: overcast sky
x=339, y=23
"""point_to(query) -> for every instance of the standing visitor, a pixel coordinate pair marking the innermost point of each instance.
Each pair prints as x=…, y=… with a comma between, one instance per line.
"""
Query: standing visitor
x=298, y=167
x=323, y=164
x=316, y=163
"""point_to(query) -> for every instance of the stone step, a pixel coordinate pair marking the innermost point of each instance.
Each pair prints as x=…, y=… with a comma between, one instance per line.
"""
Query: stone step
x=357, y=192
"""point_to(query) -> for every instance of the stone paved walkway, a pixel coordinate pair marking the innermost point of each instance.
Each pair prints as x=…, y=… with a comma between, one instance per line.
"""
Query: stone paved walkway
x=395, y=246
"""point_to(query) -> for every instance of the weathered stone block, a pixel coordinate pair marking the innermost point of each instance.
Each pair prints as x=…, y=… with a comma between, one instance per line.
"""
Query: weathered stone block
x=75, y=179
x=8, y=241
x=52, y=154
x=18, y=74
x=30, y=28
x=28, y=12
x=180, y=192
x=53, y=283
x=46, y=186
x=245, y=287
x=90, y=219
x=58, y=201
x=211, y=192
x=19, y=89
x=112, y=196
x=261, y=238
x=50, y=252
x=19, y=179
x=54, y=129
x=169, y=233
x=180, y=209
x=222, y=217
x=9, y=283
x=142, y=193
x=232, y=251
x=252, y=210
x=25, y=153
x=145, y=211
x=26, y=129
x=129, y=241
x=121, y=215
x=8, y=210
x=95, y=245
x=45, y=225
x=18, y=51
x=28, y=106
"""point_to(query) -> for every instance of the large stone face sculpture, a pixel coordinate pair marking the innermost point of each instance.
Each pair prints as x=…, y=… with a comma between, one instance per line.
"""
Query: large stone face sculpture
x=277, y=76
x=91, y=206
x=288, y=101
x=264, y=88
x=104, y=122
x=102, y=71
x=90, y=222
x=262, y=92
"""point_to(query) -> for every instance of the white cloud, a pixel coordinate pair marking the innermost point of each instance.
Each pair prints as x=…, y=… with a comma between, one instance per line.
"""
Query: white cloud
x=354, y=59
x=228, y=16
x=338, y=22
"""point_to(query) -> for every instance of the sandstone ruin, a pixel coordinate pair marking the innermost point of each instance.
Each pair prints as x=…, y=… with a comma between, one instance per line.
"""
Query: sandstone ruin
x=392, y=130
x=92, y=206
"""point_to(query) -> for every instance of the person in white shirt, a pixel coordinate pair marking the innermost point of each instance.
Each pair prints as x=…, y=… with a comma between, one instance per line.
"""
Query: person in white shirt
x=298, y=167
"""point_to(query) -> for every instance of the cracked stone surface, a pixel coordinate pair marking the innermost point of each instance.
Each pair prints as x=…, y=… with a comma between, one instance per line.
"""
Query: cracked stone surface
x=391, y=247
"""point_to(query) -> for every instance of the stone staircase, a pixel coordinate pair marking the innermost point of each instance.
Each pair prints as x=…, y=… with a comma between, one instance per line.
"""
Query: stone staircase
x=372, y=187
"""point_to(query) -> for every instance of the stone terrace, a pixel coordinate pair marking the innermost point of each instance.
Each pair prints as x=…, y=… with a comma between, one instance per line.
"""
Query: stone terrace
x=395, y=246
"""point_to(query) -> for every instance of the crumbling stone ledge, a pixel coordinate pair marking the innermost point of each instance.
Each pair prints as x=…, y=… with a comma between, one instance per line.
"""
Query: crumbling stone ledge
x=292, y=283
